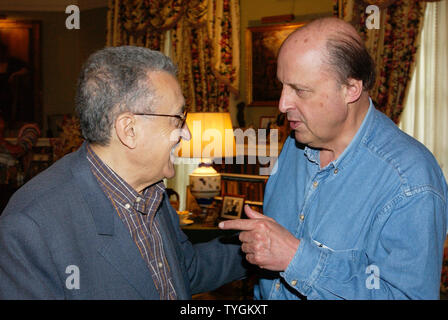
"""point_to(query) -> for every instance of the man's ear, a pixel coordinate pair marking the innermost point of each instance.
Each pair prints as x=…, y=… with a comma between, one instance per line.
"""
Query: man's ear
x=353, y=91
x=125, y=129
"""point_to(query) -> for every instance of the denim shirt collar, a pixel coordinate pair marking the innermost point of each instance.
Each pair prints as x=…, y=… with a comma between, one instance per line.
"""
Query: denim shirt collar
x=313, y=155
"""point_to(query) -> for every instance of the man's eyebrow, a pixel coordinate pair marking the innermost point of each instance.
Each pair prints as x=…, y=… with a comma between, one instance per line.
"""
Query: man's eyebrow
x=296, y=86
x=299, y=87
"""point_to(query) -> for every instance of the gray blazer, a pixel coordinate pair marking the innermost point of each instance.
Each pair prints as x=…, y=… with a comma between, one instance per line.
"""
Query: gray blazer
x=60, y=238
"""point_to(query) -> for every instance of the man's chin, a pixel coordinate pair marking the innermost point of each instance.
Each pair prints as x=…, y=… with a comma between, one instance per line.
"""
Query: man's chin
x=300, y=137
x=304, y=139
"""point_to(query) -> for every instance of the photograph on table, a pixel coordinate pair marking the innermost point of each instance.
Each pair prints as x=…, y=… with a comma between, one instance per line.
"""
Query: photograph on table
x=232, y=206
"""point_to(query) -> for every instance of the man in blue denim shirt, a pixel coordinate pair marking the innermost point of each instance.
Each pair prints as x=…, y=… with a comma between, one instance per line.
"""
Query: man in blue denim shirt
x=356, y=208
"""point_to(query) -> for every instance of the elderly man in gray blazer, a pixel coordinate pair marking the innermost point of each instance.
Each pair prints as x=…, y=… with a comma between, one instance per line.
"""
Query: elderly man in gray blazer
x=97, y=224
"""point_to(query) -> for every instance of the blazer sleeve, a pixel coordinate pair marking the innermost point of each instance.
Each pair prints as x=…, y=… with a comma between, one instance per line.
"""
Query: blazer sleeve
x=213, y=264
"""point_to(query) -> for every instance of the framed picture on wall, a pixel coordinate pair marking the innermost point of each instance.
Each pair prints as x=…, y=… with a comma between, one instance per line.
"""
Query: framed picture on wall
x=262, y=45
x=232, y=206
x=20, y=88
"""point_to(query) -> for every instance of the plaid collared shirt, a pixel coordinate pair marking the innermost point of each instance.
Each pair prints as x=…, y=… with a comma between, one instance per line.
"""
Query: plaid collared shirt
x=137, y=211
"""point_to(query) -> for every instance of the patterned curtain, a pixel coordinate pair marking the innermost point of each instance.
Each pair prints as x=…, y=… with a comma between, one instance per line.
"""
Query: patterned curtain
x=141, y=22
x=392, y=46
x=204, y=35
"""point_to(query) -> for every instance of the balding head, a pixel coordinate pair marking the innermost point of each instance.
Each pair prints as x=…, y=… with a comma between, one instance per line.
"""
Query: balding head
x=328, y=26
x=341, y=47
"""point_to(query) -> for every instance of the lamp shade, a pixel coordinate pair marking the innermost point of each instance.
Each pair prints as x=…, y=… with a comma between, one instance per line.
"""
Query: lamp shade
x=211, y=136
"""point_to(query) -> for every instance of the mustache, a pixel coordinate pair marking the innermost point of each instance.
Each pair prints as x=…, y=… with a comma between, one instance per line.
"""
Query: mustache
x=294, y=117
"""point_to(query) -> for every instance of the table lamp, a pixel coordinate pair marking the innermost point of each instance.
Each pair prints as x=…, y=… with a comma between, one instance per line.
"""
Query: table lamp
x=211, y=139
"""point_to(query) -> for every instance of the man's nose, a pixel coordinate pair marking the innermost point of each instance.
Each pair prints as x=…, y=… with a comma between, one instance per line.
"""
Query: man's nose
x=178, y=134
x=285, y=104
x=185, y=133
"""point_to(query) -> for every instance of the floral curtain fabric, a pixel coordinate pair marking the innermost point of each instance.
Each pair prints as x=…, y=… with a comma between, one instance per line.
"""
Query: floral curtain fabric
x=204, y=38
x=392, y=46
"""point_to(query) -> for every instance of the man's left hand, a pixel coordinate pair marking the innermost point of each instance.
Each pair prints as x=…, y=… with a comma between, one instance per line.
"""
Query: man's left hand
x=265, y=242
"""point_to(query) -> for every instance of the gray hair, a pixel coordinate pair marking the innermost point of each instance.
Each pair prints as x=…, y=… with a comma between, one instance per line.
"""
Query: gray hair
x=115, y=80
x=349, y=58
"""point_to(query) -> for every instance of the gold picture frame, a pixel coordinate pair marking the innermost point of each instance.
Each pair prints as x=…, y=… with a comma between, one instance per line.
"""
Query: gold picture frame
x=262, y=45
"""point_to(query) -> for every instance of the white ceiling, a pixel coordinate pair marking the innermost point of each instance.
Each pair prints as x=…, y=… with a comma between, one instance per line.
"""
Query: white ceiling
x=49, y=5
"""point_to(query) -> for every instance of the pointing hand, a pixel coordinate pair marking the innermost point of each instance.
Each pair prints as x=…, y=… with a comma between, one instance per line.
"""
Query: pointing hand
x=265, y=242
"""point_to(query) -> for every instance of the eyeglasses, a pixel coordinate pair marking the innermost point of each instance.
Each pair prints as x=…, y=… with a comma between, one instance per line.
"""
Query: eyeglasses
x=181, y=118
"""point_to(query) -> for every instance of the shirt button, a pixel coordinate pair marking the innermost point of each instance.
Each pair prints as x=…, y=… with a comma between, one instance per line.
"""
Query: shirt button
x=293, y=283
x=315, y=183
x=336, y=171
x=160, y=265
x=127, y=205
x=138, y=199
x=277, y=286
x=302, y=217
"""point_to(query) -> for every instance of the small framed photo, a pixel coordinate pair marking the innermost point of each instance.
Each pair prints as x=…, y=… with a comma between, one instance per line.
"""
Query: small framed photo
x=266, y=121
x=232, y=206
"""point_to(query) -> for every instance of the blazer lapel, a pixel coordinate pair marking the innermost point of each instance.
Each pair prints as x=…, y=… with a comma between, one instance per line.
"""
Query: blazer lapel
x=115, y=245
x=122, y=253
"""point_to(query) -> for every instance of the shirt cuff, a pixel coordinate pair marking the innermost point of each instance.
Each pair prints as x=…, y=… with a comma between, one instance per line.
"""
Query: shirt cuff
x=306, y=265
